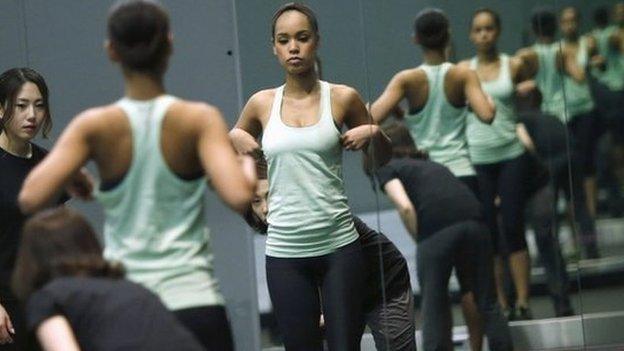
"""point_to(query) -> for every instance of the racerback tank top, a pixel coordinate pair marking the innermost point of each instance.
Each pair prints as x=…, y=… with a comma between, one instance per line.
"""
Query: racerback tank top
x=491, y=143
x=309, y=214
x=549, y=80
x=155, y=222
x=439, y=127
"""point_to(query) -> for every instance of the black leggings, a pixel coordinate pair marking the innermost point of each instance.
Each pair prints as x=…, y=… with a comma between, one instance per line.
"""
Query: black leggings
x=209, y=325
x=294, y=285
x=506, y=179
x=465, y=246
x=585, y=132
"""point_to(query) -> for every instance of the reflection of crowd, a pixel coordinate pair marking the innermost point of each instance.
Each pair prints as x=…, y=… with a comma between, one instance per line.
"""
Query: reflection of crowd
x=482, y=147
x=554, y=101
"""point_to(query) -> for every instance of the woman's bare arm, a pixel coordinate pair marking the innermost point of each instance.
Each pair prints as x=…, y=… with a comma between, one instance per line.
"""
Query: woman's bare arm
x=248, y=128
x=233, y=181
x=363, y=133
x=56, y=334
x=62, y=165
x=389, y=99
x=480, y=103
x=397, y=194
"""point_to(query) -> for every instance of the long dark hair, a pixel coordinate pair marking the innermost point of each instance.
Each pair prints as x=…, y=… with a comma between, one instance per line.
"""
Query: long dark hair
x=403, y=145
x=11, y=82
x=256, y=223
x=138, y=31
x=58, y=243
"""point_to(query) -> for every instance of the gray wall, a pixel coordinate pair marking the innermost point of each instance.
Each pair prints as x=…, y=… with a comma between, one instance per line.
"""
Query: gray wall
x=63, y=40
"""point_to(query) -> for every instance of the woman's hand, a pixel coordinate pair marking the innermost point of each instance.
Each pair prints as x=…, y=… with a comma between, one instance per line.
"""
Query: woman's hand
x=358, y=138
x=526, y=87
x=82, y=185
x=244, y=143
x=6, y=327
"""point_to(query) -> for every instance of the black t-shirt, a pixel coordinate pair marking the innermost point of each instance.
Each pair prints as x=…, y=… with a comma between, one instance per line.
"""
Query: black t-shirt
x=13, y=171
x=440, y=199
x=395, y=273
x=110, y=314
x=548, y=134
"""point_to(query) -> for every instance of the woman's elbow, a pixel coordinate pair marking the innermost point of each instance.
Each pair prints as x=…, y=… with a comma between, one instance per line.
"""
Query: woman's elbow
x=27, y=202
x=241, y=201
x=489, y=114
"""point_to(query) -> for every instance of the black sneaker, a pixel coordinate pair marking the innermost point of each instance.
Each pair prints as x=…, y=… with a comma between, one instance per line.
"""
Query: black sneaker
x=523, y=314
x=509, y=313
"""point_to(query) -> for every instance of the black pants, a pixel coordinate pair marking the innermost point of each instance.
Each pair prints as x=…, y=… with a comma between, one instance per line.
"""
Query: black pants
x=472, y=182
x=209, y=325
x=506, y=179
x=294, y=286
x=585, y=132
x=541, y=214
x=569, y=180
x=465, y=246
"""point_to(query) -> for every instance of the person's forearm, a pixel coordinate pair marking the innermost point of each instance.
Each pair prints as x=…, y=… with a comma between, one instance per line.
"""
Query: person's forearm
x=379, y=150
x=408, y=216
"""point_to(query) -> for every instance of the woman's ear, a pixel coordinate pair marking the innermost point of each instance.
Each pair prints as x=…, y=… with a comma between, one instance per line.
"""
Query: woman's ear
x=110, y=51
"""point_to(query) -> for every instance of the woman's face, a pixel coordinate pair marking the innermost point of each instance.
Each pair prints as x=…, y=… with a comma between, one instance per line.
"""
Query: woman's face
x=259, y=203
x=569, y=23
x=484, y=31
x=295, y=42
x=28, y=114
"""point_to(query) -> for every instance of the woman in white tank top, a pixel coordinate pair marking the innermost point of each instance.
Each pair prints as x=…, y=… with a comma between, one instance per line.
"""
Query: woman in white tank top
x=500, y=157
x=154, y=153
x=312, y=250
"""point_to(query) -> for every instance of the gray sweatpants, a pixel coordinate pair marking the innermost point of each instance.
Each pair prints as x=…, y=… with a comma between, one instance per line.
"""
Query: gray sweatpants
x=393, y=325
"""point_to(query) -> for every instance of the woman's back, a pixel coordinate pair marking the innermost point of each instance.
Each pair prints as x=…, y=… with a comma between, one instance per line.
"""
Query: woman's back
x=439, y=126
x=440, y=199
x=109, y=314
x=155, y=217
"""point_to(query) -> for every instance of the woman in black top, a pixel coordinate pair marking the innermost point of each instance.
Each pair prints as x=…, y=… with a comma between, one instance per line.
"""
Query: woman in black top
x=445, y=219
x=24, y=112
x=75, y=300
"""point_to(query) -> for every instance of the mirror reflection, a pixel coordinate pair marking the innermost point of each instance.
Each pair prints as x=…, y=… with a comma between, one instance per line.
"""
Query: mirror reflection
x=433, y=175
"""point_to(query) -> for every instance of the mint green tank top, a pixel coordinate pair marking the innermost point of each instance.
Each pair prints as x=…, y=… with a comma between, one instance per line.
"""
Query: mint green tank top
x=498, y=141
x=613, y=75
x=578, y=96
x=155, y=221
x=309, y=215
x=439, y=127
x=549, y=80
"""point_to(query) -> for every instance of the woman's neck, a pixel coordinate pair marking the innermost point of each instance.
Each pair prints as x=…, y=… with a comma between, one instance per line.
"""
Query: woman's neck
x=488, y=56
x=15, y=147
x=299, y=85
x=574, y=38
x=544, y=40
x=434, y=57
x=142, y=87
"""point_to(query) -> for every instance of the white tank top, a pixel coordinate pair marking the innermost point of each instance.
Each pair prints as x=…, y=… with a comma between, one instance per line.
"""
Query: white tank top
x=155, y=221
x=439, y=127
x=309, y=214
x=496, y=142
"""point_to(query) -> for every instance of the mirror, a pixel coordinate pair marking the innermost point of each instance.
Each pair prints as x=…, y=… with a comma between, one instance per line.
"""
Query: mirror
x=341, y=60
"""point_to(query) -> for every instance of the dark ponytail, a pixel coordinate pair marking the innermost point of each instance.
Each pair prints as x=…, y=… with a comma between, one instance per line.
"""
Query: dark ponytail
x=138, y=31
